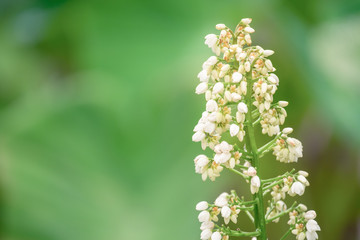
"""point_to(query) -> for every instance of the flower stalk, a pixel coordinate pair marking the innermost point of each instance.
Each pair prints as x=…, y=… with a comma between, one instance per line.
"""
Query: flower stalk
x=259, y=215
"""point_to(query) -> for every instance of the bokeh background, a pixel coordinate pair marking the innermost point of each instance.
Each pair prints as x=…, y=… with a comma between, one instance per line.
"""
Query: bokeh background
x=97, y=107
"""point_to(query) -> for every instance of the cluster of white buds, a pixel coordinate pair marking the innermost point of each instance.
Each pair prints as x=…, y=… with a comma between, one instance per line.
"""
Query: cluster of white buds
x=294, y=184
x=212, y=124
x=239, y=86
x=207, y=168
x=228, y=206
x=224, y=155
x=287, y=149
x=271, y=120
x=303, y=223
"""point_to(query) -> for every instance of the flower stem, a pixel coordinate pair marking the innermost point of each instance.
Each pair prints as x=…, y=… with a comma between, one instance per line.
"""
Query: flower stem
x=259, y=212
x=237, y=172
x=250, y=216
x=282, y=213
x=286, y=234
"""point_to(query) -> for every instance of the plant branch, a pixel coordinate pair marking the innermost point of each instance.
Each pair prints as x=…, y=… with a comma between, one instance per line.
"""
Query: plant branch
x=282, y=213
x=286, y=234
x=250, y=216
x=236, y=171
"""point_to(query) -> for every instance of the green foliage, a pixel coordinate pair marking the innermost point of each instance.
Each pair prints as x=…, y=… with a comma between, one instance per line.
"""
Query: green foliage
x=97, y=109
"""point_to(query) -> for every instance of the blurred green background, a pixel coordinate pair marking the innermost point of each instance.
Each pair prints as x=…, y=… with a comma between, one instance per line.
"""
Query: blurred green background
x=97, y=107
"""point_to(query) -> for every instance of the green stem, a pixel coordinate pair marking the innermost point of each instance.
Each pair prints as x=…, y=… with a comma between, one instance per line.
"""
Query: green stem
x=259, y=211
x=286, y=234
x=256, y=121
x=248, y=202
x=278, y=177
x=250, y=216
x=245, y=208
x=269, y=144
x=282, y=213
x=273, y=184
x=235, y=171
x=242, y=234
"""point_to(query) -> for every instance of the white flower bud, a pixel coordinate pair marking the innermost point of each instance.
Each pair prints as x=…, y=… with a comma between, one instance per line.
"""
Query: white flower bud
x=310, y=215
x=312, y=226
x=203, y=205
x=243, y=87
x=273, y=75
x=301, y=236
x=201, y=88
x=234, y=129
x=236, y=77
x=248, y=39
x=297, y=188
x=242, y=55
x=211, y=106
x=206, y=234
x=216, y=236
x=302, y=207
x=227, y=96
x=208, y=95
x=249, y=30
x=221, y=200
x=303, y=173
x=235, y=97
x=218, y=88
x=207, y=225
x=280, y=206
x=242, y=108
x=282, y=103
x=204, y=216
x=255, y=184
x=303, y=180
x=295, y=231
x=272, y=80
x=247, y=66
x=255, y=181
x=198, y=136
x=203, y=76
x=225, y=212
x=210, y=40
x=251, y=172
x=264, y=87
x=246, y=21
x=287, y=130
x=268, y=53
x=225, y=68
x=220, y=26
x=212, y=60
x=268, y=64
x=201, y=161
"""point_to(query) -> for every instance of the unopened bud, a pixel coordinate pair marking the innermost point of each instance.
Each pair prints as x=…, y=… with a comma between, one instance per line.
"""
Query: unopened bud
x=246, y=21
x=310, y=215
x=287, y=130
x=302, y=207
x=282, y=103
x=268, y=53
x=220, y=26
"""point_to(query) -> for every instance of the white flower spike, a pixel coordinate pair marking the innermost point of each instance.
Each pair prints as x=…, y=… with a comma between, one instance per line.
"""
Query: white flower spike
x=239, y=85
